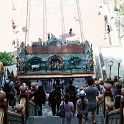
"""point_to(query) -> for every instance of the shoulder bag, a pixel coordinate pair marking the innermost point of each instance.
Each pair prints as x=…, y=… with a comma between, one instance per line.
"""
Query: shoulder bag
x=61, y=112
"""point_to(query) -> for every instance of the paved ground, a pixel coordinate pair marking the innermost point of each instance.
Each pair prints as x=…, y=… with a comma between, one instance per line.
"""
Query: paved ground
x=77, y=82
x=57, y=120
x=48, y=118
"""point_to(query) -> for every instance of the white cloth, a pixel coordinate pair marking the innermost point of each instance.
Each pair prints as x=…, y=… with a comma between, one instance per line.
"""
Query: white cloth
x=35, y=66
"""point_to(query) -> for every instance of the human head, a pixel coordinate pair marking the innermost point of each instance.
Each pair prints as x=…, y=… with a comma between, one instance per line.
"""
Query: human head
x=116, y=83
x=57, y=81
x=40, y=88
x=107, y=80
x=90, y=81
x=67, y=97
x=70, y=82
x=10, y=77
x=82, y=93
x=57, y=89
x=76, y=87
x=111, y=82
x=115, y=78
x=101, y=82
x=118, y=87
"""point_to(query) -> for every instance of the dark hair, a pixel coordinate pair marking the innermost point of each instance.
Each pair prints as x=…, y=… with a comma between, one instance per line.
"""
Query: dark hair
x=57, y=82
x=9, y=76
x=90, y=81
x=82, y=99
x=70, y=81
x=118, y=89
x=108, y=80
x=111, y=82
x=101, y=83
x=115, y=79
x=67, y=97
x=40, y=88
x=57, y=88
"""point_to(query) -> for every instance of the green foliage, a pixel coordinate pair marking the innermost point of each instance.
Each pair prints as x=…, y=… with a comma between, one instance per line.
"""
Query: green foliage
x=7, y=58
x=35, y=58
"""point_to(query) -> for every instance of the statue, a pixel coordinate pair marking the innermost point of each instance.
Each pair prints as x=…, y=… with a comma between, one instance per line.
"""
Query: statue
x=21, y=65
x=1, y=72
x=22, y=50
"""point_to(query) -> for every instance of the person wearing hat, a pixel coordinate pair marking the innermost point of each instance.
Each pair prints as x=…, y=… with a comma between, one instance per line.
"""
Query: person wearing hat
x=77, y=89
x=82, y=107
x=54, y=100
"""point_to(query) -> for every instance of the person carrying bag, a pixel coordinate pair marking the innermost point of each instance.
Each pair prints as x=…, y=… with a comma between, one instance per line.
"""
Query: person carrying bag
x=61, y=112
x=68, y=108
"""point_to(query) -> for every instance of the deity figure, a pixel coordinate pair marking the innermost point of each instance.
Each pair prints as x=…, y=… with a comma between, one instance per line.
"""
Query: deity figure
x=22, y=50
x=51, y=66
x=21, y=64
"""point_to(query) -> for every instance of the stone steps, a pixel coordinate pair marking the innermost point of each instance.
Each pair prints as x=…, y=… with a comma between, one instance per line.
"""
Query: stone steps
x=47, y=118
x=57, y=120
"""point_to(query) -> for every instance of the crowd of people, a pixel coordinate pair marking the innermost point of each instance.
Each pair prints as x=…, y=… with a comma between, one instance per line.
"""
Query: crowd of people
x=76, y=101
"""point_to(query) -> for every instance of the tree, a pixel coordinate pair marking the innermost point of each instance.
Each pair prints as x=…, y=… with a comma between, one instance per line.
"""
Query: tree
x=7, y=58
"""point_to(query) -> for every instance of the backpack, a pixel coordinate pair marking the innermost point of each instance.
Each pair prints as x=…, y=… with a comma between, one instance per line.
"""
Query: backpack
x=71, y=92
x=6, y=87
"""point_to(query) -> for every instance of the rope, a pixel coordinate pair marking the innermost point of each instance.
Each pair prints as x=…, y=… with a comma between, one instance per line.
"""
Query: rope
x=80, y=21
x=44, y=21
x=62, y=18
x=27, y=23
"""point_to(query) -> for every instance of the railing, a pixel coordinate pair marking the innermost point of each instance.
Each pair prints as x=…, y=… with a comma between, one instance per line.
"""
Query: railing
x=107, y=99
x=15, y=118
x=116, y=116
x=31, y=108
x=100, y=109
x=19, y=117
x=101, y=105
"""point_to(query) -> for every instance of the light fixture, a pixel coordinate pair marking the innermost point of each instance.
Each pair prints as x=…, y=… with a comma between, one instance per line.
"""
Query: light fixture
x=104, y=68
x=110, y=64
x=119, y=60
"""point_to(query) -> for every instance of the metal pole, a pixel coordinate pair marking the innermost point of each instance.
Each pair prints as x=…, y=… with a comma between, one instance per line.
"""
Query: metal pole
x=103, y=76
x=80, y=21
x=119, y=29
x=44, y=21
x=110, y=73
x=62, y=20
x=118, y=71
